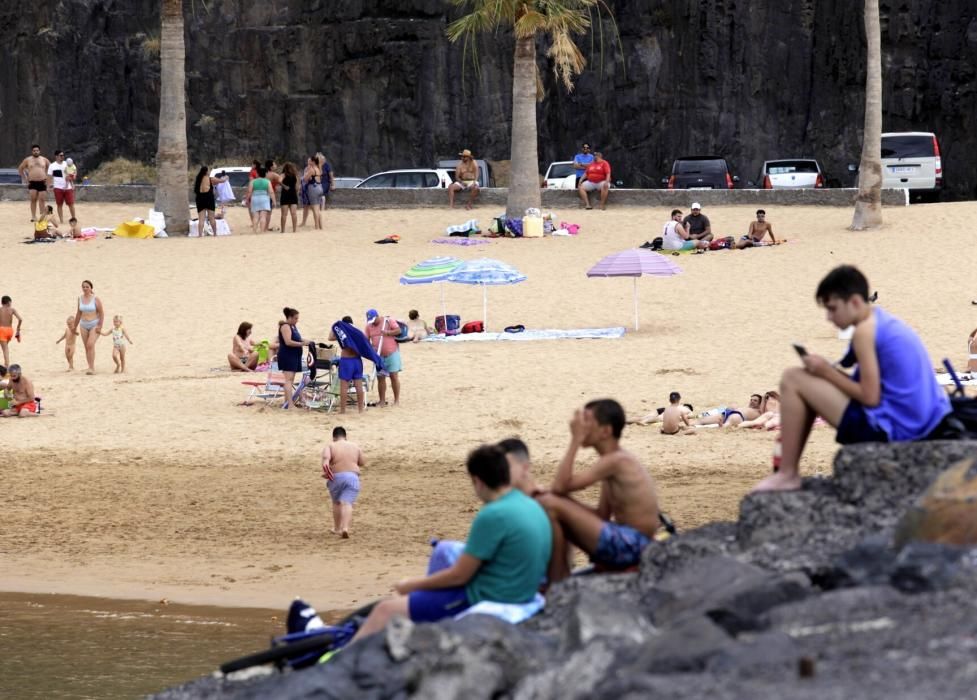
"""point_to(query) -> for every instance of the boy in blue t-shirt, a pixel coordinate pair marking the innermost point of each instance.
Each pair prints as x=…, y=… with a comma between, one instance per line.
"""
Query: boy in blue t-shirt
x=504, y=560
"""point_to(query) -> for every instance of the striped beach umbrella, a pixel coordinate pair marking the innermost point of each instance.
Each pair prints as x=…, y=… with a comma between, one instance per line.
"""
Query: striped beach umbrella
x=486, y=272
x=634, y=263
x=430, y=271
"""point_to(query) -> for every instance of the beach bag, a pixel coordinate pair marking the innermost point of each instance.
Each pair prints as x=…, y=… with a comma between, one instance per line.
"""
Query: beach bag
x=452, y=327
x=404, y=335
x=473, y=327
x=721, y=244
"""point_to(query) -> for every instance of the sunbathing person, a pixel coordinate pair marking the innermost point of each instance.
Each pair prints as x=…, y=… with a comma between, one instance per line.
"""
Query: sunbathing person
x=769, y=415
x=891, y=396
x=728, y=416
x=417, y=327
x=243, y=356
x=504, y=558
x=615, y=532
x=759, y=230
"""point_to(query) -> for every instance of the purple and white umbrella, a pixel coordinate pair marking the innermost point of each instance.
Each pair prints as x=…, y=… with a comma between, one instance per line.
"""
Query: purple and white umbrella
x=635, y=263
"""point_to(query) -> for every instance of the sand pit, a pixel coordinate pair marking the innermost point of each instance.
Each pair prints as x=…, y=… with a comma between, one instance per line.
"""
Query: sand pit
x=158, y=484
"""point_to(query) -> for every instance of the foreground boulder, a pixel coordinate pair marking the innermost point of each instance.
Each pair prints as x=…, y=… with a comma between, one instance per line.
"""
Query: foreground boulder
x=947, y=512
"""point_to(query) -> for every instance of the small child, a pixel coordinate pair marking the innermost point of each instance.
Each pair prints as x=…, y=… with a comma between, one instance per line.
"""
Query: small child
x=7, y=315
x=119, y=338
x=74, y=230
x=69, y=336
x=70, y=171
x=341, y=464
x=675, y=416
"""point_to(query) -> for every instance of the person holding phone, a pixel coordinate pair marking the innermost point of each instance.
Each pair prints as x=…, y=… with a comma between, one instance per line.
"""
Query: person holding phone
x=892, y=394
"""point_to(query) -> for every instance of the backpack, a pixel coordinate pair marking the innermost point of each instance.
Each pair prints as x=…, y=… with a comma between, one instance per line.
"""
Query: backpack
x=473, y=327
x=961, y=422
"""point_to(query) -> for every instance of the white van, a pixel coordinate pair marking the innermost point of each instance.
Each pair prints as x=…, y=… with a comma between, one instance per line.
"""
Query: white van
x=911, y=160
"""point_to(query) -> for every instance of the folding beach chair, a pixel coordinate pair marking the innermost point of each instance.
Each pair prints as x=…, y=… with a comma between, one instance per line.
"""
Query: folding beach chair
x=273, y=388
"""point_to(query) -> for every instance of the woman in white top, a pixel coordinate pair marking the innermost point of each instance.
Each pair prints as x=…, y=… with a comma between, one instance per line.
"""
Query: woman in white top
x=675, y=237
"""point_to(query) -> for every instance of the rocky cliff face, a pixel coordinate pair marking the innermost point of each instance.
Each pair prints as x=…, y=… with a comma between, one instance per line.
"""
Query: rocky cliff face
x=375, y=83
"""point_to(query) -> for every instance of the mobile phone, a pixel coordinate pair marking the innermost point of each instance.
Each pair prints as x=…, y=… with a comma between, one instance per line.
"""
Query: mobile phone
x=801, y=350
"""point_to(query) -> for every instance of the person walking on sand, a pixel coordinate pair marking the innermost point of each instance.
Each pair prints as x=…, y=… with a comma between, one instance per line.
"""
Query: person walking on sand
x=891, y=396
x=119, y=338
x=7, y=333
x=354, y=346
x=33, y=173
x=89, y=318
x=341, y=464
x=69, y=337
x=259, y=196
x=24, y=403
x=383, y=333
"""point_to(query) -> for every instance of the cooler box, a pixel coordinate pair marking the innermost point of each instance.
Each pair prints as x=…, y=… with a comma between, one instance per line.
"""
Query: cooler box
x=532, y=227
x=452, y=327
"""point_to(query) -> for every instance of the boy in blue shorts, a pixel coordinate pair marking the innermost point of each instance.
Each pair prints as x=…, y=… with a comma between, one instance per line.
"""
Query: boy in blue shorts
x=504, y=559
x=341, y=464
x=891, y=396
x=354, y=347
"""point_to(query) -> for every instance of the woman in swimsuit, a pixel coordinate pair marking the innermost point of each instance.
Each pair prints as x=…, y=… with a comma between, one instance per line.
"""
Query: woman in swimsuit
x=312, y=188
x=203, y=192
x=89, y=319
x=288, y=200
x=259, y=196
x=243, y=357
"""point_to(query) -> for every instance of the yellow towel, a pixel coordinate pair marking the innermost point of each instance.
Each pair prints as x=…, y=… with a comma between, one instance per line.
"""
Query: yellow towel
x=134, y=229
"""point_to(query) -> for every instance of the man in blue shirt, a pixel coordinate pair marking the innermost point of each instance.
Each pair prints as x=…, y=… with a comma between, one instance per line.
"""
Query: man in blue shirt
x=504, y=560
x=582, y=160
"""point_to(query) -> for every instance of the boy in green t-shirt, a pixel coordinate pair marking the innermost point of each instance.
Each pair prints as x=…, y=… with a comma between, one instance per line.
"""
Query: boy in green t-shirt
x=505, y=558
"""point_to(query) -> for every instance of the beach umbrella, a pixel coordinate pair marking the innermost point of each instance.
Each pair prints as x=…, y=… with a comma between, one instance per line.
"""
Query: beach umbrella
x=430, y=271
x=486, y=272
x=634, y=263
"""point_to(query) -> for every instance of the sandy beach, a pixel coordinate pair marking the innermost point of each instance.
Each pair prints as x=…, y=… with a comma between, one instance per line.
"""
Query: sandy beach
x=159, y=484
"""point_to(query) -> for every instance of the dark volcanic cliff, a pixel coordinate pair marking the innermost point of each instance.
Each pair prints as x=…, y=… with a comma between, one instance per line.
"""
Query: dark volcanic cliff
x=376, y=84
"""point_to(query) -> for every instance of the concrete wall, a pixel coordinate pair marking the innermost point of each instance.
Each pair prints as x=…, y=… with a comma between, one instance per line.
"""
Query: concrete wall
x=552, y=199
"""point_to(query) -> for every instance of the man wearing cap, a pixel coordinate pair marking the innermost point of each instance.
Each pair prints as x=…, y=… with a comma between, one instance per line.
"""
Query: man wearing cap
x=466, y=178
x=23, y=402
x=697, y=224
x=597, y=176
x=382, y=333
x=582, y=160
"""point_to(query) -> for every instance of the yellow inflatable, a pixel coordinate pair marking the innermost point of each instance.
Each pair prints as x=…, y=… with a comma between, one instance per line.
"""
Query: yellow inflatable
x=134, y=229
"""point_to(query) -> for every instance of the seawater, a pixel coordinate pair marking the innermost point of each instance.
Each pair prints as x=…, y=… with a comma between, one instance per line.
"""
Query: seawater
x=56, y=646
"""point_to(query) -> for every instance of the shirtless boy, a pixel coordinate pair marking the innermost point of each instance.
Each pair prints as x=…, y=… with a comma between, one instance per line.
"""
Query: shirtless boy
x=7, y=315
x=758, y=231
x=341, y=464
x=675, y=416
x=69, y=337
x=33, y=172
x=626, y=517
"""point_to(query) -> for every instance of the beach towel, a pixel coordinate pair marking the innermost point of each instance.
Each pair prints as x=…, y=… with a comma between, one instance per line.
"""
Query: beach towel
x=551, y=334
x=224, y=192
x=134, y=229
x=461, y=241
x=349, y=336
x=513, y=613
x=465, y=228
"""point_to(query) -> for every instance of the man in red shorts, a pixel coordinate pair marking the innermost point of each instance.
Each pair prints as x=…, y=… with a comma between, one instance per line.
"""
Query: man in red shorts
x=23, y=403
x=64, y=190
x=597, y=176
x=33, y=171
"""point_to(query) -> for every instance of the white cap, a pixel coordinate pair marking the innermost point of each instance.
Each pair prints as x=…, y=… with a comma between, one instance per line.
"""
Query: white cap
x=69, y=161
x=695, y=205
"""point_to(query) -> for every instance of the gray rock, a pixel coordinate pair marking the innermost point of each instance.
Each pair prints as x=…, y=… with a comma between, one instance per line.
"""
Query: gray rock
x=593, y=616
x=662, y=558
x=561, y=597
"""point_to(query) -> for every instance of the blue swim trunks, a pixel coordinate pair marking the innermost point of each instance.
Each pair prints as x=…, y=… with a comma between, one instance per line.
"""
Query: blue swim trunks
x=350, y=368
x=344, y=488
x=392, y=363
x=619, y=546
x=437, y=604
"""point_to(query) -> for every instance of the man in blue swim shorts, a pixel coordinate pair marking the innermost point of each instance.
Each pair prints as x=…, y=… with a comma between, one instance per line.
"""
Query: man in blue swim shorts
x=341, y=464
x=354, y=347
x=504, y=558
x=615, y=532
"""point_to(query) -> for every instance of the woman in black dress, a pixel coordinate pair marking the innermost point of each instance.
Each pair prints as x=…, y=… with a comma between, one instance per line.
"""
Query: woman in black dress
x=290, y=349
x=203, y=192
x=288, y=198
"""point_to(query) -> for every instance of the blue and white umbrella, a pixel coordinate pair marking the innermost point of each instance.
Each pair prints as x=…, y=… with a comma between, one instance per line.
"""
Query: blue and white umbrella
x=486, y=272
x=432, y=270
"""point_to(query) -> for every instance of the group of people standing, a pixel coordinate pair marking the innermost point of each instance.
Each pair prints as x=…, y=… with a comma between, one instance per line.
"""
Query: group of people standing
x=40, y=174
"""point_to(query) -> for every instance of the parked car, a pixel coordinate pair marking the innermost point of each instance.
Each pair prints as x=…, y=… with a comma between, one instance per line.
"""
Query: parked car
x=414, y=178
x=238, y=176
x=9, y=176
x=792, y=173
x=700, y=173
x=911, y=160
x=485, y=177
x=561, y=175
x=345, y=183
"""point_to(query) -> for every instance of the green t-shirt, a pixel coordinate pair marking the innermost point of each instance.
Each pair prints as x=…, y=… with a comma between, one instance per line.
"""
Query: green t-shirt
x=512, y=538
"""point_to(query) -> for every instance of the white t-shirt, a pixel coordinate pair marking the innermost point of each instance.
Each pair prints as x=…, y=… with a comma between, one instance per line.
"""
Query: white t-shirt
x=58, y=173
x=670, y=238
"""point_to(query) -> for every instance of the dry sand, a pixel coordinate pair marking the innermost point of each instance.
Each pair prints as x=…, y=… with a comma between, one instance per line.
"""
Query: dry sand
x=159, y=484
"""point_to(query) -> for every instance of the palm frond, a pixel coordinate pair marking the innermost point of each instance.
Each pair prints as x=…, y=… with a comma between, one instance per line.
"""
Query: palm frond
x=568, y=61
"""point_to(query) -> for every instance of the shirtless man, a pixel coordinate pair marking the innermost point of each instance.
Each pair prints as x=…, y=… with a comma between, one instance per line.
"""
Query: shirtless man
x=7, y=333
x=626, y=517
x=675, y=416
x=758, y=231
x=341, y=464
x=731, y=416
x=33, y=172
x=656, y=415
x=22, y=404
x=466, y=178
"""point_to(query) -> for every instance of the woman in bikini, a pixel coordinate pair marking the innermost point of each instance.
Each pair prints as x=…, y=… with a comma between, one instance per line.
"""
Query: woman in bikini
x=243, y=357
x=88, y=320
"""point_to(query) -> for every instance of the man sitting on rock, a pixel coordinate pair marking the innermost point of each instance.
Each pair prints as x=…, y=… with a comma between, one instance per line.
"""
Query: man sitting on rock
x=891, y=396
x=504, y=558
x=626, y=517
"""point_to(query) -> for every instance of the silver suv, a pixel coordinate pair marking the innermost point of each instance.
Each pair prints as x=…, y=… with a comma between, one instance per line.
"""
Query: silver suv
x=413, y=178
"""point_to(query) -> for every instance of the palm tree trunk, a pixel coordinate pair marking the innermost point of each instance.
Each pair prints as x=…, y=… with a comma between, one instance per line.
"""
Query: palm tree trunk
x=171, y=156
x=524, y=178
x=868, y=203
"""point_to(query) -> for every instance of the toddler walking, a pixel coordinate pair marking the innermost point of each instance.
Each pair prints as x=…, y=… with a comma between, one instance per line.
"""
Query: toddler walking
x=69, y=336
x=119, y=338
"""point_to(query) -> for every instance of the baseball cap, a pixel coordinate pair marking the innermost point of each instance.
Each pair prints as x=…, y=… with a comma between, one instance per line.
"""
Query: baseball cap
x=370, y=315
x=695, y=205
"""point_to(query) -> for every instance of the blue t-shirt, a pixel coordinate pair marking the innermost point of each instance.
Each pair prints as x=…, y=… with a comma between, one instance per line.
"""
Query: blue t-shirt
x=586, y=159
x=911, y=402
x=512, y=538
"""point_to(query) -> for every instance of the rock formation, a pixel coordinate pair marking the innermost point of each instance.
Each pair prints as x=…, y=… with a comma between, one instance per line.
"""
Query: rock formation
x=803, y=597
x=376, y=84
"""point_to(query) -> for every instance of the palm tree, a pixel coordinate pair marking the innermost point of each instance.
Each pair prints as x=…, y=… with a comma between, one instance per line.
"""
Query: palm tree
x=559, y=20
x=171, y=153
x=868, y=203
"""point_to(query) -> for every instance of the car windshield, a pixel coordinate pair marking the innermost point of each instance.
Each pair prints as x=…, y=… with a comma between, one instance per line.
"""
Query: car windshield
x=561, y=170
x=689, y=167
x=784, y=167
x=907, y=146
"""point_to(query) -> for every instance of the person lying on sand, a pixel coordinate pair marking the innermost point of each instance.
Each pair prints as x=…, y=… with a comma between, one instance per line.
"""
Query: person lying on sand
x=892, y=395
x=759, y=230
x=728, y=416
x=615, y=532
x=769, y=416
x=504, y=558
